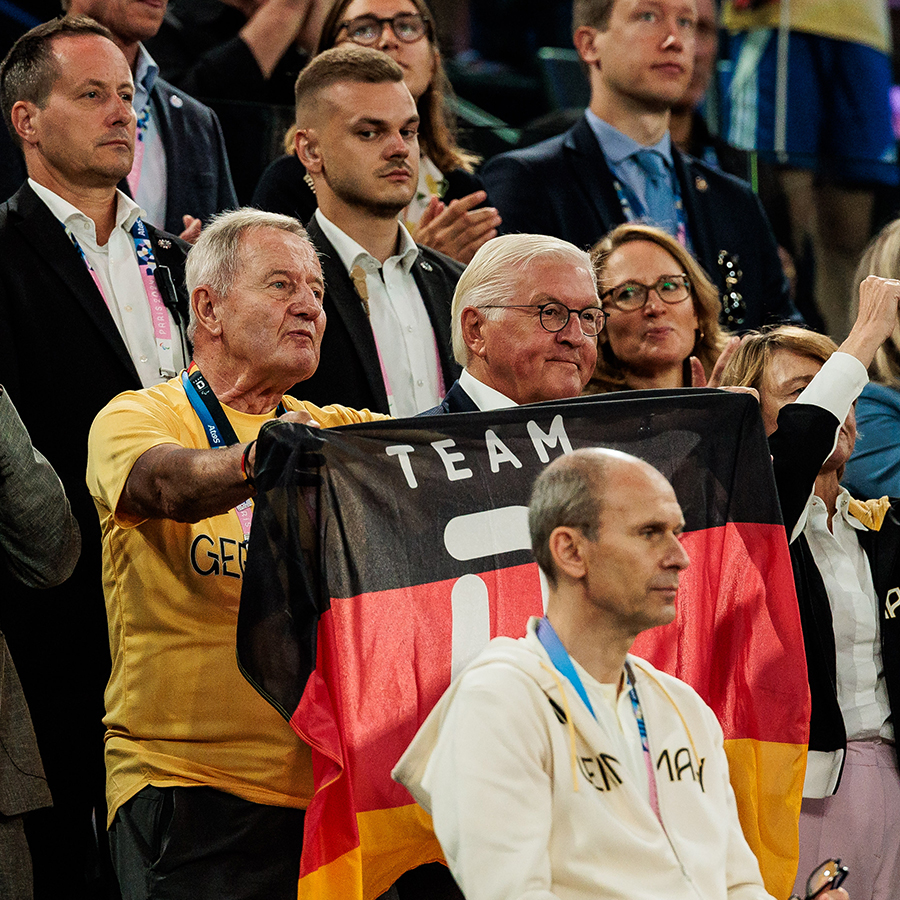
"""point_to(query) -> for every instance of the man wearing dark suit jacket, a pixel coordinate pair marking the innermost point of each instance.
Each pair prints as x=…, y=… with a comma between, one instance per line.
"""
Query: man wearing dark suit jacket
x=181, y=176
x=74, y=332
x=387, y=345
x=525, y=322
x=618, y=164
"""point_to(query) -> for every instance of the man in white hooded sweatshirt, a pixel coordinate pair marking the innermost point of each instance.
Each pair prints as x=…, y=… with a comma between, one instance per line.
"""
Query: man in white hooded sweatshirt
x=560, y=767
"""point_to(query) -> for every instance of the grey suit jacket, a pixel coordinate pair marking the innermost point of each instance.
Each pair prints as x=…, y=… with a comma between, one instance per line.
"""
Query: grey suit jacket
x=39, y=544
x=39, y=537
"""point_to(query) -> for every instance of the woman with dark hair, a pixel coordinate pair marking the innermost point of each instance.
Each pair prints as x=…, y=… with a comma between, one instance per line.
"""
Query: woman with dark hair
x=445, y=212
x=663, y=328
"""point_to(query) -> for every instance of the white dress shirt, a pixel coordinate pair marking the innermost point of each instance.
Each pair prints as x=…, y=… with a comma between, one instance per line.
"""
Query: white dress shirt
x=115, y=264
x=484, y=397
x=845, y=570
x=407, y=348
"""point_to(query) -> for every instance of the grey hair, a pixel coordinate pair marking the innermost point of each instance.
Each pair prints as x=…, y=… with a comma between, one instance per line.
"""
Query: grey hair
x=568, y=493
x=213, y=260
x=498, y=273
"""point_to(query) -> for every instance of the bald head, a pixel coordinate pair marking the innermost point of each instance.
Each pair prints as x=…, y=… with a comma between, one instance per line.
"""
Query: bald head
x=575, y=490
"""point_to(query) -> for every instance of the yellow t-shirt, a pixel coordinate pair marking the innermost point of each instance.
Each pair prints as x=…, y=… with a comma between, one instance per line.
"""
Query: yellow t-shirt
x=178, y=710
x=858, y=21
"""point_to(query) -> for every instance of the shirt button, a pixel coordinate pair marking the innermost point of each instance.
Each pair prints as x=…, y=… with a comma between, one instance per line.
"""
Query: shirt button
x=127, y=309
x=409, y=328
x=143, y=359
x=420, y=382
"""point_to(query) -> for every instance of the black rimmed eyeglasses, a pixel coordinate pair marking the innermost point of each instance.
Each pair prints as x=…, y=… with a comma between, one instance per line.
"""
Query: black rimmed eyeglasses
x=631, y=295
x=827, y=876
x=554, y=316
x=367, y=30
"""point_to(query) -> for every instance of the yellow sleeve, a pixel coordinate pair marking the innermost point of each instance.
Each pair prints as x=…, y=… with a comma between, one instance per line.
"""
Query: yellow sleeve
x=128, y=426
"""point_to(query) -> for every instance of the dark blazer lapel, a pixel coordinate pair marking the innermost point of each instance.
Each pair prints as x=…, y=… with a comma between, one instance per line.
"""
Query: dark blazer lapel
x=40, y=228
x=457, y=400
x=436, y=295
x=588, y=168
x=341, y=299
x=692, y=189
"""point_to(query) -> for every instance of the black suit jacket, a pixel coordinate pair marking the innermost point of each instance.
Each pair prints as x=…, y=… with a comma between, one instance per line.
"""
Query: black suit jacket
x=198, y=178
x=63, y=359
x=456, y=400
x=799, y=447
x=563, y=187
x=348, y=371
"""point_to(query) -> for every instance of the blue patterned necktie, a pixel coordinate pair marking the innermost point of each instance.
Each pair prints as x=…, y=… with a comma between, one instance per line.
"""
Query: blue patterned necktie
x=658, y=195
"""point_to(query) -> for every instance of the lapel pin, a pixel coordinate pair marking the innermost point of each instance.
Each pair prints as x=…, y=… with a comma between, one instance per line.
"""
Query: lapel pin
x=176, y=101
x=701, y=183
x=165, y=244
x=426, y=265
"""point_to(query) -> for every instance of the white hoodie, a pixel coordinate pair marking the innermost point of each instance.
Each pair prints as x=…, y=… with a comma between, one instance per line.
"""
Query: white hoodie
x=534, y=799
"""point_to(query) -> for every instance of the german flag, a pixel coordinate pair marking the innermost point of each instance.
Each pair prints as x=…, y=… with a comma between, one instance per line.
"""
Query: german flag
x=376, y=576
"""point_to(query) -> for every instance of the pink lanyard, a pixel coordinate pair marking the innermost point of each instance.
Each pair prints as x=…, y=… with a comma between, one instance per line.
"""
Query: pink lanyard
x=645, y=743
x=162, y=327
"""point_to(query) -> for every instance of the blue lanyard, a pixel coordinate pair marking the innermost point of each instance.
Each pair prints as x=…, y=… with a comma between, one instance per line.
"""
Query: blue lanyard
x=205, y=403
x=142, y=247
x=631, y=214
x=219, y=431
x=560, y=658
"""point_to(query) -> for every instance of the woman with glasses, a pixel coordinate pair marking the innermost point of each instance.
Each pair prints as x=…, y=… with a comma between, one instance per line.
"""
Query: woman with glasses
x=662, y=312
x=446, y=212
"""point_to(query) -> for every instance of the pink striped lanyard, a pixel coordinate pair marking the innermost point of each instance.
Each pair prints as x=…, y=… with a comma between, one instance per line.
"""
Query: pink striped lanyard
x=645, y=743
x=146, y=259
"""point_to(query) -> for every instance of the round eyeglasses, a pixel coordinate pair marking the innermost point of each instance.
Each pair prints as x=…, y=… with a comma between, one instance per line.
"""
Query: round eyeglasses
x=554, y=316
x=367, y=30
x=633, y=295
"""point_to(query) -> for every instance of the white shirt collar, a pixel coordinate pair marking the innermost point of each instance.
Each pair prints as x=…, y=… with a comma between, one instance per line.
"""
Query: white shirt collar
x=351, y=253
x=126, y=210
x=817, y=506
x=484, y=397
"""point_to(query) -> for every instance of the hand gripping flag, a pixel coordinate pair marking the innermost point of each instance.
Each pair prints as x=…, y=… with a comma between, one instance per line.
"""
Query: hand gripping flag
x=387, y=555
